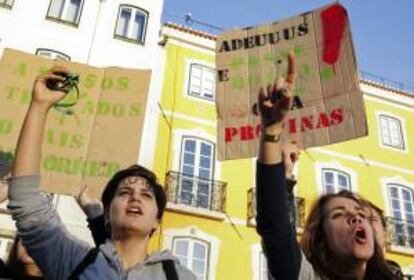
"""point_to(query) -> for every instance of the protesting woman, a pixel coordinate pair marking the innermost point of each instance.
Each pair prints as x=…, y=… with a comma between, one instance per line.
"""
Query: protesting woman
x=133, y=204
x=338, y=240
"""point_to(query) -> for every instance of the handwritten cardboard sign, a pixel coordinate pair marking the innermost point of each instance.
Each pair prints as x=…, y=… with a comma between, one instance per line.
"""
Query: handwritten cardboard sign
x=328, y=105
x=102, y=134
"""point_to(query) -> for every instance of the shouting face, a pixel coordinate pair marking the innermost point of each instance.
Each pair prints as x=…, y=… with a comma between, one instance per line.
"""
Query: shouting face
x=348, y=231
x=133, y=209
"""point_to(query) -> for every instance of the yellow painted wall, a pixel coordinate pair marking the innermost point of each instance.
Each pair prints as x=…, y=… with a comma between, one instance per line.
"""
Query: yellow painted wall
x=235, y=255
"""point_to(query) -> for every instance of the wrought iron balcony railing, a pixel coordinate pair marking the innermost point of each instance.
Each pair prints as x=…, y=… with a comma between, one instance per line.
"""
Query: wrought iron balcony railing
x=251, y=209
x=196, y=191
x=401, y=232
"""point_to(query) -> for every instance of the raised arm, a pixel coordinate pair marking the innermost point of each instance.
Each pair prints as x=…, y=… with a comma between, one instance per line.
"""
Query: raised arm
x=38, y=225
x=278, y=238
x=27, y=158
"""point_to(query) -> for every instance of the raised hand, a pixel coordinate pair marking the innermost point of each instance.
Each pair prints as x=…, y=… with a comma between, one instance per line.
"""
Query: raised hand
x=92, y=207
x=44, y=96
x=290, y=155
x=276, y=99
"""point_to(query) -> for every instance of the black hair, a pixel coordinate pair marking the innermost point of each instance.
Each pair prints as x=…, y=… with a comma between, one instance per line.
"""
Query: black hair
x=135, y=171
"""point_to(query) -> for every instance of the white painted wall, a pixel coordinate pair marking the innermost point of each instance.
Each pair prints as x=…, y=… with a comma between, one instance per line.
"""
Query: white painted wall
x=25, y=28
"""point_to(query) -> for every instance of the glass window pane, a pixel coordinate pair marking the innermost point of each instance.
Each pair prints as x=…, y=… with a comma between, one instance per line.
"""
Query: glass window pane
x=342, y=180
x=73, y=10
x=407, y=196
x=56, y=8
x=188, y=170
x=181, y=247
x=203, y=188
x=52, y=54
x=204, y=173
x=198, y=266
x=189, y=159
x=205, y=149
x=394, y=192
x=205, y=162
x=395, y=204
x=189, y=145
x=138, y=27
x=199, y=251
x=328, y=178
x=408, y=207
x=123, y=22
x=195, y=72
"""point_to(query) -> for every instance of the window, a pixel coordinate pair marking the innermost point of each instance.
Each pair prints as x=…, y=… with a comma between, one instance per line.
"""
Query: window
x=401, y=201
x=334, y=180
x=193, y=253
x=391, y=132
x=202, y=82
x=66, y=10
x=131, y=24
x=6, y=3
x=197, y=167
x=52, y=54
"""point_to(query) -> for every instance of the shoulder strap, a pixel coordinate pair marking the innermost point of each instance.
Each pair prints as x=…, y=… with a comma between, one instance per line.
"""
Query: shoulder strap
x=169, y=270
x=87, y=260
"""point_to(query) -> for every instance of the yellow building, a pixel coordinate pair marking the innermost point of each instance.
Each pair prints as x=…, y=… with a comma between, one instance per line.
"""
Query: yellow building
x=209, y=222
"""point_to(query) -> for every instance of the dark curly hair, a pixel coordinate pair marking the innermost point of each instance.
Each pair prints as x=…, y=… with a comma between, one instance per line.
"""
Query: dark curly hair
x=135, y=171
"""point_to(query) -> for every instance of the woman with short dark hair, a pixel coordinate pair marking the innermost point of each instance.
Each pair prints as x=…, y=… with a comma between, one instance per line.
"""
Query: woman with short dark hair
x=133, y=206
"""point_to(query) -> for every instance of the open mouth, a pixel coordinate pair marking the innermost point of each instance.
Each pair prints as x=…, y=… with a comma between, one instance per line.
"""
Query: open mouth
x=135, y=211
x=360, y=236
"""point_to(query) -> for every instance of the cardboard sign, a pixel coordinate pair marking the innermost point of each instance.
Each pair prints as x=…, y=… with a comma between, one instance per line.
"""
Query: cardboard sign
x=328, y=105
x=102, y=134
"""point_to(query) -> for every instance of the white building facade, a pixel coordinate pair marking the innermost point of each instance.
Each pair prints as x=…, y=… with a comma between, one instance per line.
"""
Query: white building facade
x=100, y=33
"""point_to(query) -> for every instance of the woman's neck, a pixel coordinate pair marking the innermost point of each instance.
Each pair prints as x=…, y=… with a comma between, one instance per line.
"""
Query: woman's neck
x=132, y=250
x=353, y=270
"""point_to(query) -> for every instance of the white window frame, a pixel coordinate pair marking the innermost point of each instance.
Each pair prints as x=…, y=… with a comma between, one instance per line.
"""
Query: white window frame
x=64, y=12
x=197, y=157
x=8, y=4
x=401, y=201
x=204, y=72
x=201, y=133
x=195, y=233
x=134, y=11
x=178, y=135
x=335, y=184
x=385, y=183
x=187, y=82
x=335, y=166
x=55, y=55
x=401, y=121
x=190, y=254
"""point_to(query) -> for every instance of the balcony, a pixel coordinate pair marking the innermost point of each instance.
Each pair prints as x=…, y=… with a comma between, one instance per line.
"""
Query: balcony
x=251, y=209
x=196, y=195
x=401, y=233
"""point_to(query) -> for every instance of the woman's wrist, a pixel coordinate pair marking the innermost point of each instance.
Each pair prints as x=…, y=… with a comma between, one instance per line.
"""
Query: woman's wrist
x=272, y=131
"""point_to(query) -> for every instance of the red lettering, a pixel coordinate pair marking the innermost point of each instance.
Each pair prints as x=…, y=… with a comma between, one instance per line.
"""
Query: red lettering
x=229, y=133
x=337, y=116
x=292, y=125
x=323, y=120
x=246, y=133
x=306, y=122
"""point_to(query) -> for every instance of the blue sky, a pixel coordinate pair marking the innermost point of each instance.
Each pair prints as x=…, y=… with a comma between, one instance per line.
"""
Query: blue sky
x=383, y=30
